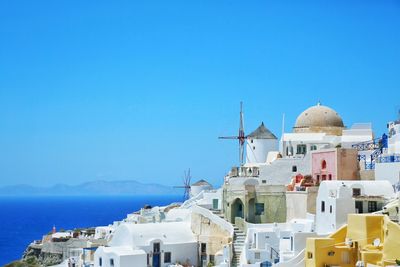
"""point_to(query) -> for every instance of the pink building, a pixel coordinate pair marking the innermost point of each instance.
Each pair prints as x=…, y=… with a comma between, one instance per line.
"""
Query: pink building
x=335, y=164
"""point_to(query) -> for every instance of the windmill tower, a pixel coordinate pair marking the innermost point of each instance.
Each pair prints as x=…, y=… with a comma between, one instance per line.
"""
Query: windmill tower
x=259, y=143
x=186, y=184
x=240, y=137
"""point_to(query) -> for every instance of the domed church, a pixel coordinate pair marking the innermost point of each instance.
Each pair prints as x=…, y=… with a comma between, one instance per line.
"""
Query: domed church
x=319, y=119
x=320, y=127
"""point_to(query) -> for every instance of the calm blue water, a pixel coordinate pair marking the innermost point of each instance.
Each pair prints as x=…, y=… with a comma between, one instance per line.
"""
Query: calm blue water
x=23, y=219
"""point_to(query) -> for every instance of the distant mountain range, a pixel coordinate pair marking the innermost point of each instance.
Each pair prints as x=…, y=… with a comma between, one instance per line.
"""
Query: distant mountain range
x=128, y=187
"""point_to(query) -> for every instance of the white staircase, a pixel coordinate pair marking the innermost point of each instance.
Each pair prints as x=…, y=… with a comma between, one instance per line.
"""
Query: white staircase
x=238, y=243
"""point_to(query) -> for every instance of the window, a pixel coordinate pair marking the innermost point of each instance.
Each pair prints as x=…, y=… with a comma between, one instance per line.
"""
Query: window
x=111, y=262
x=264, y=181
x=323, y=165
x=313, y=147
x=203, y=247
x=254, y=148
x=215, y=203
x=356, y=192
x=100, y=261
x=323, y=206
x=257, y=255
x=167, y=257
x=148, y=259
x=156, y=247
x=301, y=149
x=251, y=140
x=372, y=206
x=259, y=209
x=309, y=255
x=294, y=168
x=330, y=177
x=330, y=208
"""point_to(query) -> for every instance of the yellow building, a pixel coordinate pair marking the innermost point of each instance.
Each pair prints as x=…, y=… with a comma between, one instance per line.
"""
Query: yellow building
x=372, y=239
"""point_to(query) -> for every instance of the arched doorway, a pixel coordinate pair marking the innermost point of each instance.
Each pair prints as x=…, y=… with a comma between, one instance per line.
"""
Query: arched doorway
x=237, y=210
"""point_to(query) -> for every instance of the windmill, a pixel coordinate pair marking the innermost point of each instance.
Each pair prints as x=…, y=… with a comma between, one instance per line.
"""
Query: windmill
x=186, y=184
x=240, y=137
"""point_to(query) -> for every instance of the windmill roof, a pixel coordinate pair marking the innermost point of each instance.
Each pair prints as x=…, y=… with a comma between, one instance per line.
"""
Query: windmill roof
x=201, y=182
x=262, y=133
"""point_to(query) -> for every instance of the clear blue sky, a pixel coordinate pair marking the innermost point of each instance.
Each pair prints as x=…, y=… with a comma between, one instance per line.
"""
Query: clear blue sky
x=104, y=90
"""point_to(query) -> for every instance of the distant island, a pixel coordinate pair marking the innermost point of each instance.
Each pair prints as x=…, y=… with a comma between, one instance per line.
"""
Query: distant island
x=108, y=188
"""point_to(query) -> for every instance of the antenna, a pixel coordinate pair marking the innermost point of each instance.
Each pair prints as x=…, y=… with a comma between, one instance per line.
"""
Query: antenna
x=283, y=124
x=398, y=114
x=241, y=137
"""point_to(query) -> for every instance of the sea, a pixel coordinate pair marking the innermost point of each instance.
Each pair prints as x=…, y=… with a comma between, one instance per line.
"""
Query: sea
x=24, y=219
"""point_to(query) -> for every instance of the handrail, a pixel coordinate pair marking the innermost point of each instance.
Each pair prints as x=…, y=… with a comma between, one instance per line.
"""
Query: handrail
x=276, y=252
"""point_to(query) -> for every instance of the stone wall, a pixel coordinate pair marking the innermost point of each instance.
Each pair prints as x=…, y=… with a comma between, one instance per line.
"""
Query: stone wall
x=210, y=233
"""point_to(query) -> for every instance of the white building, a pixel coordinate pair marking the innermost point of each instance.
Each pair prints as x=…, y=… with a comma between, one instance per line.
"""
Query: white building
x=150, y=244
x=318, y=127
x=259, y=143
x=209, y=199
x=337, y=199
x=277, y=242
x=321, y=127
x=387, y=167
x=197, y=187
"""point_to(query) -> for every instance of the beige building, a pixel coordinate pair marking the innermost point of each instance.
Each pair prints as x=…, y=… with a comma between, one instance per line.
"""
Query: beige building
x=247, y=197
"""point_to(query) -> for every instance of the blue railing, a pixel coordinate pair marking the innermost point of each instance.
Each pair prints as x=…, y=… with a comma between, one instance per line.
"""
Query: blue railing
x=370, y=165
x=389, y=158
x=368, y=145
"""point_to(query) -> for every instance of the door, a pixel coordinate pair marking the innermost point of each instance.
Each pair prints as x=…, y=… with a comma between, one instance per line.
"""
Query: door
x=156, y=255
x=359, y=207
x=156, y=260
x=236, y=210
x=215, y=204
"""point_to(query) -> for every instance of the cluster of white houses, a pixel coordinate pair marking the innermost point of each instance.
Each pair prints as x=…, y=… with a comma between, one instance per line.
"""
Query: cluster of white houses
x=288, y=191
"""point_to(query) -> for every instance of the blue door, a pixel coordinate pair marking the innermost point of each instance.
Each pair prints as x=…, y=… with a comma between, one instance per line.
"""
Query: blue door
x=156, y=260
x=266, y=264
x=156, y=255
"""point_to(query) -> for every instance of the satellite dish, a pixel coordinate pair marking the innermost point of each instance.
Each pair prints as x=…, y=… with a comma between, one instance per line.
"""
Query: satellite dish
x=376, y=242
x=349, y=242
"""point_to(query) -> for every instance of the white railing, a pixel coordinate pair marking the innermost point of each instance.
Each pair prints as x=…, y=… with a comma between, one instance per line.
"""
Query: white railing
x=214, y=218
x=192, y=201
